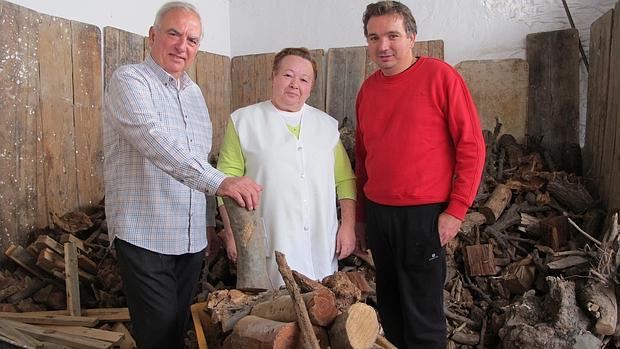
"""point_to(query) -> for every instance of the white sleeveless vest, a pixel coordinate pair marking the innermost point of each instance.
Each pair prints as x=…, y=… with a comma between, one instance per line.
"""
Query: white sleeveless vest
x=298, y=202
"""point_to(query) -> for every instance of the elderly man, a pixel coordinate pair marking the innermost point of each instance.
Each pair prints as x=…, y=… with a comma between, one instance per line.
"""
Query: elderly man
x=420, y=154
x=157, y=137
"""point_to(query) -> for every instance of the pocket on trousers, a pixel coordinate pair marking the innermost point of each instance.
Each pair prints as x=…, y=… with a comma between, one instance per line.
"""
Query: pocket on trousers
x=422, y=245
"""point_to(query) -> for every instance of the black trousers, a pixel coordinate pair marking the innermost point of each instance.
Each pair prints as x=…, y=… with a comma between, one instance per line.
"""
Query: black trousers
x=411, y=271
x=159, y=289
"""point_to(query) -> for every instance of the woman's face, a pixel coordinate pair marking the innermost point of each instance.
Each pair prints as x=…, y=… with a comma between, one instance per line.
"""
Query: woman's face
x=292, y=83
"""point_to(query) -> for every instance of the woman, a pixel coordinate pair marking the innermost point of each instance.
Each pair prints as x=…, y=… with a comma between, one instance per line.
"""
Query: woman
x=293, y=150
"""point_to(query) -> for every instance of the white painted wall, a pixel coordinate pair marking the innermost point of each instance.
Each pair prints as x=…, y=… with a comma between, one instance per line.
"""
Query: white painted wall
x=138, y=16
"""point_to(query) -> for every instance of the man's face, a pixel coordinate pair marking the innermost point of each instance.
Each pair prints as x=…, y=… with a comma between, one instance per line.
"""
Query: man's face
x=174, y=42
x=389, y=46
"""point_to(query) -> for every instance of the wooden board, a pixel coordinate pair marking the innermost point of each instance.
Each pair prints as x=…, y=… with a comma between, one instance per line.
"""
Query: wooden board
x=19, y=102
x=598, y=84
x=57, y=115
x=251, y=79
x=346, y=70
x=612, y=131
x=499, y=89
x=213, y=78
x=120, y=47
x=553, y=113
x=87, y=99
x=317, y=96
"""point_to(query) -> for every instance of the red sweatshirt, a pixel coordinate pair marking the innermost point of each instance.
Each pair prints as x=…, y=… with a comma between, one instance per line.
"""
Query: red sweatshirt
x=418, y=139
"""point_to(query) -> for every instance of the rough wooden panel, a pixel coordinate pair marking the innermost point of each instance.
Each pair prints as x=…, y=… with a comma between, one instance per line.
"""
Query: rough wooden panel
x=19, y=105
x=213, y=77
x=613, y=116
x=431, y=48
x=499, y=89
x=87, y=99
x=57, y=115
x=553, y=112
x=346, y=70
x=251, y=79
x=317, y=96
x=121, y=47
x=598, y=84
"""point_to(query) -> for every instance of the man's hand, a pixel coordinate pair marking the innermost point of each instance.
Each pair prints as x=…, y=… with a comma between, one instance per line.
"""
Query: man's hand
x=241, y=189
x=448, y=227
x=345, y=241
x=360, y=238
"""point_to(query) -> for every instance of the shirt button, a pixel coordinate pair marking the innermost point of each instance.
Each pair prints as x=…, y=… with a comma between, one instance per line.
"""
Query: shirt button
x=306, y=228
x=302, y=176
x=300, y=147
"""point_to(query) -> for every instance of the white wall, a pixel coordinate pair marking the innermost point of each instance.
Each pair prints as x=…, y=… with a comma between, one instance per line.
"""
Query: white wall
x=138, y=16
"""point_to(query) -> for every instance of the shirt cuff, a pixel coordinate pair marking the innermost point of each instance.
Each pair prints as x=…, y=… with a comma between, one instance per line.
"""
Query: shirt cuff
x=213, y=180
x=457, y=209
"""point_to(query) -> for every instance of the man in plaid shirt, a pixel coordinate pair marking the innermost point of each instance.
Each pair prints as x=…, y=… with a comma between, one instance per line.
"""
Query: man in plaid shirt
x=157, y=138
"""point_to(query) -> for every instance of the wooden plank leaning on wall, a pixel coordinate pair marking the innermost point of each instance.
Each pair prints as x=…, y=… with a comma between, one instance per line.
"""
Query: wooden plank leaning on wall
x=19, y=103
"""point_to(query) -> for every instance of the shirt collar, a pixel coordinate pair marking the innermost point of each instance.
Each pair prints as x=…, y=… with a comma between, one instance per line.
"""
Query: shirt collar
x=164, y=77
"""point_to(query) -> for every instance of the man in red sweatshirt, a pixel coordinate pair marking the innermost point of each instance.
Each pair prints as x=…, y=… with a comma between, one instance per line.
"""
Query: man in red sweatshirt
x=419, y=159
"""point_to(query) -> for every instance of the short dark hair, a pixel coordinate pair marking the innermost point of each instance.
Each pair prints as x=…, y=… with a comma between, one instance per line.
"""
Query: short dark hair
x=388, y=7
x=294, y=51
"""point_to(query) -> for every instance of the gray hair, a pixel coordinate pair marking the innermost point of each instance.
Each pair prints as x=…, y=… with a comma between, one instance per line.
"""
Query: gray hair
x=173, y=5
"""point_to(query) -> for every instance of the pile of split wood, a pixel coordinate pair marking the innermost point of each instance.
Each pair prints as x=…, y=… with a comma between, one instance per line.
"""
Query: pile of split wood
x=305, y=314
x=62, y=271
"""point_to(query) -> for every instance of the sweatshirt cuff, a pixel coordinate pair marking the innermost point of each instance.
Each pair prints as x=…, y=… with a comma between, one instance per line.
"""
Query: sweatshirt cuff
x=457, y=209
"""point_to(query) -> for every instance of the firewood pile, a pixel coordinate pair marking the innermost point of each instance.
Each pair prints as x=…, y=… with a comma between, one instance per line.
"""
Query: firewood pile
x=534, y=266
x=46, y=284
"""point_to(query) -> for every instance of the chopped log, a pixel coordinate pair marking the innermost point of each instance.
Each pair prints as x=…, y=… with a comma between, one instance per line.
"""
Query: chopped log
x=72, y=280
x=518, y=277
x=554, y=232
x=72, y=222
x=308, y=338
x=225, y=312
x=496, y=204
x=574, y=196
x=9, y=291
x=358, y=279
x=346, y=292
x=24, y=259
x=305, y=283
x=44, y=241
x=479, y=260
x=355, y=328
x=249, y=235
x=472, y=220
x=33, y=285
x=599, y=300
x=32, y=318
x=254, y=332
x=127, y=342
x=80, y=244
x=55, y=264
x=321, y=305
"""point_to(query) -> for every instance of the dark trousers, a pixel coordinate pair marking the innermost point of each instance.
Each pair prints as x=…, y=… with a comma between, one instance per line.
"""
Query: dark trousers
x=159, y=289
x=411, y=271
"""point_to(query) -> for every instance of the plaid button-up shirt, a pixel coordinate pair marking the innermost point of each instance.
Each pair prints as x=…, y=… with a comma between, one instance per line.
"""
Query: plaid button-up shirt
x=157, y=138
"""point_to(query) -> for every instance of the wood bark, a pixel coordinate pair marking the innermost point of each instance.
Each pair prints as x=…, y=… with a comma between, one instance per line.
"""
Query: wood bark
x=321, y=305
x=308, y=338
x=496, y=204
x=346, y=292
x=253, y=332
x=250, y=241
x=355, y=328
